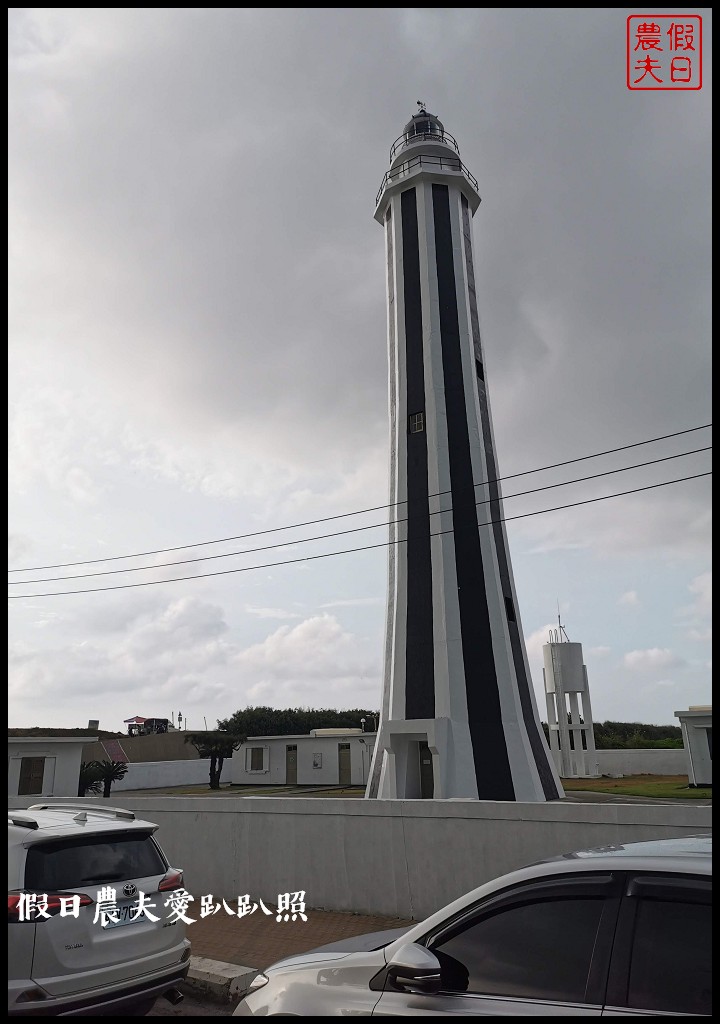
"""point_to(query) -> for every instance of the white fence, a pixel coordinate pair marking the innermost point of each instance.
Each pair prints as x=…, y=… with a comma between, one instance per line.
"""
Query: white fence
x=641, y=762
x=163, y=774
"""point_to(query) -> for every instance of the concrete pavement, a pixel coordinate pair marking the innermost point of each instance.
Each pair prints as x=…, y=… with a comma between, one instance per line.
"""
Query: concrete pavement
x=258, y=940
x=193, y=1006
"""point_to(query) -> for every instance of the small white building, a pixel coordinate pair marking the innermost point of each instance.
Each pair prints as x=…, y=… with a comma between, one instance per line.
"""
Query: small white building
x=45, y=765
x=696, y=725
x=325, y=757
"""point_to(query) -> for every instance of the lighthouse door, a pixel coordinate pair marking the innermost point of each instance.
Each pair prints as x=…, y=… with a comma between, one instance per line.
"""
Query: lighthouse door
x=427, y=782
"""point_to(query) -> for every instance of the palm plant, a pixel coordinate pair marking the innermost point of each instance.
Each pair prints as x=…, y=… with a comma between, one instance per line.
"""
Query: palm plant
x=89, y=780
x=109, y=772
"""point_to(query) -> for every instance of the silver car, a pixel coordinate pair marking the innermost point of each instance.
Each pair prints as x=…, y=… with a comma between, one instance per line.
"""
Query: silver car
x=84, y=885
x=619, y=931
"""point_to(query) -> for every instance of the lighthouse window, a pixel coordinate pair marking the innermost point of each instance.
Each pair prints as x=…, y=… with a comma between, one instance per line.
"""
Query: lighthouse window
x=510, y=609
x=417, y=422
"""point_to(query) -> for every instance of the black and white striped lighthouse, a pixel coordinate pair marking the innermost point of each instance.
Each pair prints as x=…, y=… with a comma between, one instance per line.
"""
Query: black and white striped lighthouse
x=459, y=717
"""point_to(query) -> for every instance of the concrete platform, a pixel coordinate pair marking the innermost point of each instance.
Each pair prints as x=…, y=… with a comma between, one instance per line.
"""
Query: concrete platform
x=223, y=982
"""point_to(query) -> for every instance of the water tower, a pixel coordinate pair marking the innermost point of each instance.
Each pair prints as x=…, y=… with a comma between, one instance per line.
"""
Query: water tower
x=567, y=696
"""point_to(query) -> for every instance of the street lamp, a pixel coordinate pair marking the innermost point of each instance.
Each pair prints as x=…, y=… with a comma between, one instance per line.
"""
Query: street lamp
x=362, y=723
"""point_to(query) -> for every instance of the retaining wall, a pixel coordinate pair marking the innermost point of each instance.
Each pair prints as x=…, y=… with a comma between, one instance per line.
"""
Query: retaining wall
x=404, y=858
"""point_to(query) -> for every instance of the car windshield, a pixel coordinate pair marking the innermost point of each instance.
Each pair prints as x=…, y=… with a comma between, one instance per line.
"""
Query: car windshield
x=74, y=863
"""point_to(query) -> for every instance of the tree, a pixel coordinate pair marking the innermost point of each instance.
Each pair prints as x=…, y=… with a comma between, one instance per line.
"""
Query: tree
x=632, y=736
x=266, y=721
x=217, y=746
x=89, y=780
x=109, y=772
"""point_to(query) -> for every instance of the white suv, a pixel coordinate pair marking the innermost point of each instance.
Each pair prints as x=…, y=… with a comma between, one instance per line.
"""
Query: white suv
x=84, y=883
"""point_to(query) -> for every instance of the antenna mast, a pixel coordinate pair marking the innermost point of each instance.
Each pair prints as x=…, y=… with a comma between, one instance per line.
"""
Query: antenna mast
x=561, y=628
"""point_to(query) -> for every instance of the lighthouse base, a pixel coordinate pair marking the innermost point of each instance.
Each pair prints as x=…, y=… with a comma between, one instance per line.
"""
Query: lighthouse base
x=423, y=759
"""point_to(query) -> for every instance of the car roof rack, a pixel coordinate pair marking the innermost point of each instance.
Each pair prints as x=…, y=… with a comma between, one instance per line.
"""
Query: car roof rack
x=23, y=820
x=108, y=812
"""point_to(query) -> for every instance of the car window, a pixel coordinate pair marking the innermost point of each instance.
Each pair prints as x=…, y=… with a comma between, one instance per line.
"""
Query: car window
x=540, y=950
x=86, y=860
x=670, y=959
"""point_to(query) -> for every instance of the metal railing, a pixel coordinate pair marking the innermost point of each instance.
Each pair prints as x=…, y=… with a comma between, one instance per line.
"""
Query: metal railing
x=443, y=162
x=407, y=140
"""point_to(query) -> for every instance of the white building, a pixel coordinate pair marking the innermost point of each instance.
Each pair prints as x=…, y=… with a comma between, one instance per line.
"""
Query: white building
x=696, y=725
x=325, y=757
x=41, y=766
x=567, y=696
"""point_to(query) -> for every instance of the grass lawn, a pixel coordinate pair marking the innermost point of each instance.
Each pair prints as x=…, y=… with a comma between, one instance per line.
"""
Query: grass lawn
x=675, y=786
x=229, y=789
x=203, y=789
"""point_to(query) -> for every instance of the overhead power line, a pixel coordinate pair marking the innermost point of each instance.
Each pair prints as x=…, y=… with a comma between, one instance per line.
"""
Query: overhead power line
x=343, y=533
x=346, y=515
x=349, y=551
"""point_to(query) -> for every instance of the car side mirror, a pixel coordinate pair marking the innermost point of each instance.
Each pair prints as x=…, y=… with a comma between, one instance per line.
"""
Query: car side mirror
x=412, y=968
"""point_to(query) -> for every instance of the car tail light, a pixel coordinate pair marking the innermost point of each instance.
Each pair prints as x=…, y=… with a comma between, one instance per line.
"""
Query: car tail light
x=172, y=880
x=52, y=904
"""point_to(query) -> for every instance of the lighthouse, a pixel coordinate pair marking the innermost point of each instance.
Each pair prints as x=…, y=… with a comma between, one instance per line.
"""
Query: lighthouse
x=458, y=718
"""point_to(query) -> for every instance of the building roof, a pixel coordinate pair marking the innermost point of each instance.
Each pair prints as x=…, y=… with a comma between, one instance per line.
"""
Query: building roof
x=316, y=735
x=24, y=740
x=86, y=733
x=695, y=711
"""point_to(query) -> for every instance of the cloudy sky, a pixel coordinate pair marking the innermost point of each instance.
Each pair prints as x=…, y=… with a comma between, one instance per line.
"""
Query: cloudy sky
x=198, y=349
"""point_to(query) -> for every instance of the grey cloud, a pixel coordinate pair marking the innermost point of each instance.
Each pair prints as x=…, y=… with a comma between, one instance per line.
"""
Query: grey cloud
x=182, y=222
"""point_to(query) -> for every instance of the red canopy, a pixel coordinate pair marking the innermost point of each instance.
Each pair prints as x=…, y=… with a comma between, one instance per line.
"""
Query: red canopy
x=135, y=721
